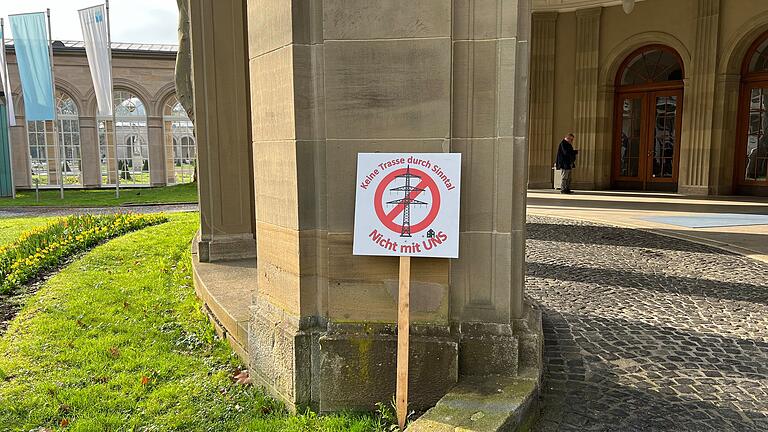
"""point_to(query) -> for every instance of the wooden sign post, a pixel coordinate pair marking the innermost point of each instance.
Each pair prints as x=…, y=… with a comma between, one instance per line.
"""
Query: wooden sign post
x=407, y=205
x=403, y=330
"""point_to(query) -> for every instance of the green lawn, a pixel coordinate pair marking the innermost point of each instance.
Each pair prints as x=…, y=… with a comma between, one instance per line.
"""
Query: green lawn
x=117, y=342
x=10, y=228
x=104, y=197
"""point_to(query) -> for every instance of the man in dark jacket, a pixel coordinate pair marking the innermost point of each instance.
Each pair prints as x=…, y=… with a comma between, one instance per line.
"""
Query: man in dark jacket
x=566, y=161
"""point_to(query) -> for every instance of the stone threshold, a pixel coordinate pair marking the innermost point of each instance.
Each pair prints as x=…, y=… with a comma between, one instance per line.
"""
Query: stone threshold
x=485, y=404
x=226, y=289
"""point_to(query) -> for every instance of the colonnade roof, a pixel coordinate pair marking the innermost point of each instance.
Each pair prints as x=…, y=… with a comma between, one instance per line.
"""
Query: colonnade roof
x=125, y=47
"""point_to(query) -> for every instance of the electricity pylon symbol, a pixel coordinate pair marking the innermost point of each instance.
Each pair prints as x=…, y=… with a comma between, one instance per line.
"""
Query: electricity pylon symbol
x=407, y=201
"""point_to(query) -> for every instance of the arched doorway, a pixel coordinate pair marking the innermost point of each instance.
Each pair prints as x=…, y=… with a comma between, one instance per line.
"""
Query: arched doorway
x=132, y=142
x=751, y=170
x=180, y=150
x=46, y=158
x=647, y=118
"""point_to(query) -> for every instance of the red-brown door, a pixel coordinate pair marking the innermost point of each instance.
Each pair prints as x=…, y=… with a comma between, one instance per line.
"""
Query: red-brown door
x=751, y=173
x=647, y=139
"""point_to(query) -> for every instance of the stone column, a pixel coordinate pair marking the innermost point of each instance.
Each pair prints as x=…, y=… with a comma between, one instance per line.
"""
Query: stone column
x=156, y=151
x=331, y=79
x=490, y=100
x=221, y=127
x=22, y=177
x=170, y=165
x=698, y=106
x=89, y=151
x=726, y=111
x=585, y=113
x=541, y=139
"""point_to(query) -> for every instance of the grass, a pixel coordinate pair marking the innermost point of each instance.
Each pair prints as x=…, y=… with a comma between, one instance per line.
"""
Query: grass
x=11, y=228
x=44, y=248
x=117, y=341
x=104, y=197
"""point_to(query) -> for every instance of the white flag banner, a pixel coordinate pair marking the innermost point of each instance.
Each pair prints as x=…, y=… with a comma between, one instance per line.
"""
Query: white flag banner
x=93, y=21
x=6, y=81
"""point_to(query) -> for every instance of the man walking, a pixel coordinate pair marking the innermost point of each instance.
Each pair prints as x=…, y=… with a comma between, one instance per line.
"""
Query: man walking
x=566, y=158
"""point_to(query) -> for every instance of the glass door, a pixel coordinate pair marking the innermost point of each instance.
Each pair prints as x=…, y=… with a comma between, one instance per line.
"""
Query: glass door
x=646, y=140
x=754, y=165
x=628, y=161
x=664, y=137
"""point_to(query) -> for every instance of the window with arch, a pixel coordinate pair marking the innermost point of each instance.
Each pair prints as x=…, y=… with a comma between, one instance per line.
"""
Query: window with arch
x=649, y=65
x=752, y=144
x=130, y=154
x=180, y=145
x=48, y=157
x=647, y=119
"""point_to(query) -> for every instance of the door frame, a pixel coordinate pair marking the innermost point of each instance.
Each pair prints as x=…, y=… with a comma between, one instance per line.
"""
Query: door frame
x=678, y=124
x=648, y=94
x=749, y=81
x=740, y=184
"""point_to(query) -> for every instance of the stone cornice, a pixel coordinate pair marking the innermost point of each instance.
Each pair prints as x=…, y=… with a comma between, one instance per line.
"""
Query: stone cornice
x=571, y=5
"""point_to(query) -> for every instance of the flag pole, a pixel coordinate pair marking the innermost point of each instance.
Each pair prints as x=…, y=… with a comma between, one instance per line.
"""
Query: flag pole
x=112, y=88
x=8, y=113
x=56, y=143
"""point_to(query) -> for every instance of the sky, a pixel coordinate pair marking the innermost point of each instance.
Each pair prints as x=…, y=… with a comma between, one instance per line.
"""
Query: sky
x=145, y=21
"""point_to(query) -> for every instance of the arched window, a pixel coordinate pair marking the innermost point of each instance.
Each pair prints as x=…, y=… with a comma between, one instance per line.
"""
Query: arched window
x=649, y=65
x=132, y=141
x=180, y=147
x=69, y=138
x=45, y=155
x=757, y=59
x=752, y=142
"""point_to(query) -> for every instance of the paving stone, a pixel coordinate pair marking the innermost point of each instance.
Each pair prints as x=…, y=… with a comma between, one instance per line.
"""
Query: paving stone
x=647, y=333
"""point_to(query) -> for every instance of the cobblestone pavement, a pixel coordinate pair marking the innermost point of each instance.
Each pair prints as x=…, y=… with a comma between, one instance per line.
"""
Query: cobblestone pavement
x=63, y=211
x=647, y=333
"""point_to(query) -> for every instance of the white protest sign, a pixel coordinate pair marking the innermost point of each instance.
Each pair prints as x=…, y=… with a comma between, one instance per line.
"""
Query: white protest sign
x=407, y=204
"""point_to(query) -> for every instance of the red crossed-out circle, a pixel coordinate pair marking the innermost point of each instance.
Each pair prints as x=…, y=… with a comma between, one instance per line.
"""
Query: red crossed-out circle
x=388, y=219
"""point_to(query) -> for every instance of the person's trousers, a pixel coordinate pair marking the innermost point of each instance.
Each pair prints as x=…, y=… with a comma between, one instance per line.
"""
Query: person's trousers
x=565, y=183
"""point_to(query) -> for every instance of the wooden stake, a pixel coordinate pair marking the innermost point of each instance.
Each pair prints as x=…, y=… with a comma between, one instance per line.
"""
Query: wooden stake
x=403, y=330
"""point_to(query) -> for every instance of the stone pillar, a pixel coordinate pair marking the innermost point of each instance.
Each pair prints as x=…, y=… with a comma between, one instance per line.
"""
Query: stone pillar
x=22, y=177
x=542, y=142
x=585, y=97
x=89, y=151
x=699, y=101
x=220, y=85
x=156, y=151
x=333, y=78
x=726, y=111
x=170, y=165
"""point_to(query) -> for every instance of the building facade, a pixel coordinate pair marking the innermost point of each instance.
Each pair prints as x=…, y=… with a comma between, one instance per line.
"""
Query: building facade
x=154, y=143
x=669, y=97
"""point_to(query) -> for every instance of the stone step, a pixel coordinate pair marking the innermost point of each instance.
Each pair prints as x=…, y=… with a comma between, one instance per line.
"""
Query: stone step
x=485, y=404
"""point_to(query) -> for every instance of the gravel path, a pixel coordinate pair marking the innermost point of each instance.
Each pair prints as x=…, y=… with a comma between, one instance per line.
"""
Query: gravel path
x=64, y=211
x=647, y=333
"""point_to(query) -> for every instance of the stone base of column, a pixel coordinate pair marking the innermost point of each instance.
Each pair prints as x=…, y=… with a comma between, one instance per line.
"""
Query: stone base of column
x=358, y=364
x=487, y=349
x=331, y=366
x=339, y=366
x=224, y=248
x=693, y=190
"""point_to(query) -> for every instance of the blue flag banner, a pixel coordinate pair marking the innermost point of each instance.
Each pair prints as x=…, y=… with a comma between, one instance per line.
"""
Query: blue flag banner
x=30, y=40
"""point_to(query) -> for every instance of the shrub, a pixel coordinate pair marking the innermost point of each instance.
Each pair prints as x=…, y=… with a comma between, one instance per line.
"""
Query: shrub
x=40, y=249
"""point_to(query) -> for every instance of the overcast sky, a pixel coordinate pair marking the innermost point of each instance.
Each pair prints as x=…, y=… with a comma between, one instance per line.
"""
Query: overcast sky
x=147, y=21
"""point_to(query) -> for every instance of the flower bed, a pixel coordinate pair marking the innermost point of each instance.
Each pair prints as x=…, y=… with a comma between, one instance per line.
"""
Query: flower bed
x=43, y=248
